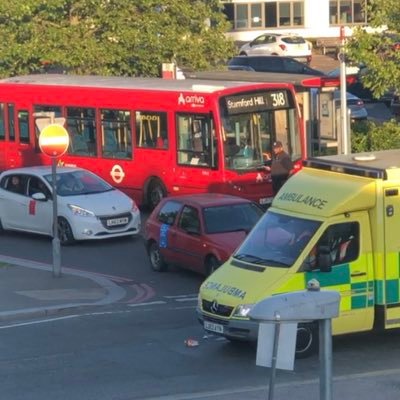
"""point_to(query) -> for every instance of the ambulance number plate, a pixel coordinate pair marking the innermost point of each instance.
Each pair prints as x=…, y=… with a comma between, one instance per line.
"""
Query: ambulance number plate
x=210, y=326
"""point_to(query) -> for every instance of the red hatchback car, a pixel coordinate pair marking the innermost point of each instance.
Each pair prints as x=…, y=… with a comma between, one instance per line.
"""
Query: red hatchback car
x=198, y=232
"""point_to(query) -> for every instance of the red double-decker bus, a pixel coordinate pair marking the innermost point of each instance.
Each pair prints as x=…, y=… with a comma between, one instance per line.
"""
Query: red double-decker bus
x=152, y=137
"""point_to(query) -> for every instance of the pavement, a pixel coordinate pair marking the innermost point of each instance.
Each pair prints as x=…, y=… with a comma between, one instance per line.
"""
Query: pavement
x=29, y=289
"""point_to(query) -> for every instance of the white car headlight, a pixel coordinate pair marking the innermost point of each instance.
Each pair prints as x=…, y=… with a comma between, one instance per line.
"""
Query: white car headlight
x=82, y=212
x=134, y=207
x=242, y=310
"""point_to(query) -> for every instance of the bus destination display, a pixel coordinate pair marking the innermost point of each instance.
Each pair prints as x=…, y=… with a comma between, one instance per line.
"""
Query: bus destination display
x=257, y=102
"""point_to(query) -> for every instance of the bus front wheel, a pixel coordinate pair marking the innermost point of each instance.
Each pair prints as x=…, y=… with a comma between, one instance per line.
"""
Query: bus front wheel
x=156, y=192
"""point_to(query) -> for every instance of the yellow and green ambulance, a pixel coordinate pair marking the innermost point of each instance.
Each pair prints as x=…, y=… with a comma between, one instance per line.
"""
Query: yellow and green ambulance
x=336, y=221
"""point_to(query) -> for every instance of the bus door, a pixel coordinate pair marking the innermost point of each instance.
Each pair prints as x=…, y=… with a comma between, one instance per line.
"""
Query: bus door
x=11, y=154
x=16, y=133
x=197, y=159
x=3, y=142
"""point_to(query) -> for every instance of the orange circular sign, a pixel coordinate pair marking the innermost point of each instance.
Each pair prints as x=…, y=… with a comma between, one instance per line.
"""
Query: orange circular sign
x=54, y=140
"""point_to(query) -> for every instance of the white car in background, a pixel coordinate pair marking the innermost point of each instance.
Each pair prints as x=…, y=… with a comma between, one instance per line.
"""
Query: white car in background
x=279, y=44
x=88, y=207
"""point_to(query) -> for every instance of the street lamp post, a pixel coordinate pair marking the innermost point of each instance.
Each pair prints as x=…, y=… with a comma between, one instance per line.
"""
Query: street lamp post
x=54, y=141
x=343, y=93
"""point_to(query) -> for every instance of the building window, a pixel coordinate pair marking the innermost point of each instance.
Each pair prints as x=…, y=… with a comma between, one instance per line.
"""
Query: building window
x=256, y=16
x=242, y=20
x=298, y=14
x=271, y=15
x=266, y=15
x=284, y=14
x=347, y=12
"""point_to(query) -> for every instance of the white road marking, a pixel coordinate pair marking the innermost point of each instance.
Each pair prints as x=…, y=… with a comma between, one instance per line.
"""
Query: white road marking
x=187, y=299
x=152, y=303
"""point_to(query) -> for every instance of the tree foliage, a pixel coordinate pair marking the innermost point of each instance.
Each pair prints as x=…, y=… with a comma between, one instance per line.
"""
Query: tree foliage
x=375, y=47
x=368, y=136
x=111, y=37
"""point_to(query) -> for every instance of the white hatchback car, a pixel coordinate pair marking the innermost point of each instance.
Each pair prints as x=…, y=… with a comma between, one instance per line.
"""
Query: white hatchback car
x=279, y=44
x=88, y=207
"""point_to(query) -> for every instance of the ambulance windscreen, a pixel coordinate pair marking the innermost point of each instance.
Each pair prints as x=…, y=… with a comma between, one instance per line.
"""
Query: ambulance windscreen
x=277, y=240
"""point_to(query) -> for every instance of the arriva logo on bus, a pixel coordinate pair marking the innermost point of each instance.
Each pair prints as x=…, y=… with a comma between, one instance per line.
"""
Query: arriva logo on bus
x=192, y=100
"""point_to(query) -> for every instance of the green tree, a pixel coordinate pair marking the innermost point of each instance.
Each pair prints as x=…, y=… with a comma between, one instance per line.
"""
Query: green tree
x=111, y=37
x=376, y=50
x=368, y=136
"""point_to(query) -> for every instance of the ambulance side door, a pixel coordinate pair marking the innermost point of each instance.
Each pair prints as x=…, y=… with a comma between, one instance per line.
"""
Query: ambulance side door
x=349, y=243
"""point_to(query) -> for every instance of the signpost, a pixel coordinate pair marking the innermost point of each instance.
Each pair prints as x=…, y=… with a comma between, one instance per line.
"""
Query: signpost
x=54, y=142
x=343, y=93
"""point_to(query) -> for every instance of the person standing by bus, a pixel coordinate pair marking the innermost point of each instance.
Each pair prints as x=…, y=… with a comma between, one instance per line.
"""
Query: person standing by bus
x=280, y=167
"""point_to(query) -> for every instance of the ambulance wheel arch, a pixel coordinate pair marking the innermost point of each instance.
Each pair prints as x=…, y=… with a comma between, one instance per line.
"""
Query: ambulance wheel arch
x=154, y=192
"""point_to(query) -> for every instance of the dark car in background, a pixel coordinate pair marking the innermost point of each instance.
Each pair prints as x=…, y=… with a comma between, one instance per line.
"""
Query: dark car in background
x=199, y=231
x=357, y=88
x=271, y=64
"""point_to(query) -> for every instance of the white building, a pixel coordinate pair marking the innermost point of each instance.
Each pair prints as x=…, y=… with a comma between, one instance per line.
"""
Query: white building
x=308, y=18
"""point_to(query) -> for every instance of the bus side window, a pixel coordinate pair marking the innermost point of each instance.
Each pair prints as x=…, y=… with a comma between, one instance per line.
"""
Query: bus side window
x=11, y=124
x=116, y=135
x=151, y=129
x=2, y=122
x=81, y=125
x=23, y=126
x=78, y=144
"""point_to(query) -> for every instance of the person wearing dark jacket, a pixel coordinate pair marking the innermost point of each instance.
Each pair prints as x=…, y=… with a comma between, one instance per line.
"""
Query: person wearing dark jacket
x=281, y=166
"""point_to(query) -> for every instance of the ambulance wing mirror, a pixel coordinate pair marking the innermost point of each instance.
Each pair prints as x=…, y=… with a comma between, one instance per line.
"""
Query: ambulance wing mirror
x=324, y=258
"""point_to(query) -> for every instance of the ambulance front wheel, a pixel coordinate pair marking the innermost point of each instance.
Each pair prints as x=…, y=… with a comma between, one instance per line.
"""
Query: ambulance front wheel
x=307, y=340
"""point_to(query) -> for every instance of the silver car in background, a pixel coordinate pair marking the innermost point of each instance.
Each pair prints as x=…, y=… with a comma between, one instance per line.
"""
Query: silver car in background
x=354, y=104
